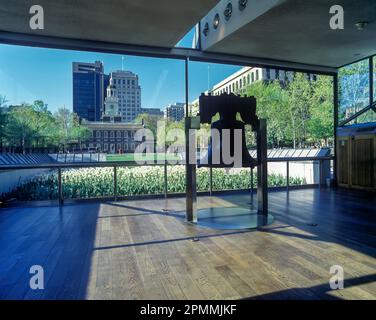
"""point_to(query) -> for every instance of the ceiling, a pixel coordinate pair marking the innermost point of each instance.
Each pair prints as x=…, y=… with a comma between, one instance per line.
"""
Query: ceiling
x=142, y=22
x=295, y=31
x=298, y=31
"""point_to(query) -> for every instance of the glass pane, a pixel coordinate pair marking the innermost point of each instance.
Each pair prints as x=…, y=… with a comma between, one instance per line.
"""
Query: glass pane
x=353, y=88
x=140, y=180
x=203, y=179
x=85, y=183
x=90, y=102
x=89, y=109
x=369, y=116
x=28, y=185
x=298, y=107
x=176, y=178
x=190, y=40
x=231, y=179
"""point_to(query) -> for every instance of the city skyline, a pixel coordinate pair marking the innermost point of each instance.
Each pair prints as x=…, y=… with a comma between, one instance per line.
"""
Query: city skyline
x=28, y=74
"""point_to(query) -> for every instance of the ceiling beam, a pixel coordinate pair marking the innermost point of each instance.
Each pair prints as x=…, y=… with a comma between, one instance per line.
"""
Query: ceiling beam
x=160, y=52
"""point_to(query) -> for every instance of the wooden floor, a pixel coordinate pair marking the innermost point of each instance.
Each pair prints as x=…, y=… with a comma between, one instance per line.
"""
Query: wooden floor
x=133, y=250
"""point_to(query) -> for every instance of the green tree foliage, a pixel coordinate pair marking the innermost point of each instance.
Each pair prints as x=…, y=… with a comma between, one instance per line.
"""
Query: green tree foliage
x=69, y=129
x=299, y=113
x=271, y=100
x=321, y=123
x=43, y=125
x=165, y=125
x=34, y=126
x=150, y=121
x=3, y=119
x=353, y=88
x=300, y=92
x=19, y=129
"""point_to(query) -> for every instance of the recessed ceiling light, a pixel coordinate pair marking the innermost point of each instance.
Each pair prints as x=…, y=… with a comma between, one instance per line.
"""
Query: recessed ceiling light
x=361, y=25
x=242, y=4
x=216, y=21
x=228, y=11
x=206, y=29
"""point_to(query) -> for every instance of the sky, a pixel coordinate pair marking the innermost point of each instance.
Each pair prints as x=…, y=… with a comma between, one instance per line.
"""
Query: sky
x=28, y=74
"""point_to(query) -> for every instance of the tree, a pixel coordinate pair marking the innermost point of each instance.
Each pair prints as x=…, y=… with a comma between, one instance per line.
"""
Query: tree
x=150, y=121
x=19, y=127
x=171, y=126
x=321, y=123
x=40, y=106
x=69, y=129
x=353, y=88
x=271, y=101
x=35, y=126
x=298, y=113
x=299, y=93
x=43, y=125
x=3, y=119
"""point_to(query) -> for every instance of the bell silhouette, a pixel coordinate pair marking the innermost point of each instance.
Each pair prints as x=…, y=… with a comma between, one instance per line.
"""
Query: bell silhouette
x=227, y=145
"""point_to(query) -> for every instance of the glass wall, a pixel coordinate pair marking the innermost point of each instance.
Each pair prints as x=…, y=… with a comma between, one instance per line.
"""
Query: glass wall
x=298, y=108
x=28, y=185
x=354, y=91
x=88, y=107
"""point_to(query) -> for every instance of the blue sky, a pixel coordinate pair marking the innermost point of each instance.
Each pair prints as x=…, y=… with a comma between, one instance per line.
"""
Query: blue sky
x=28, y=74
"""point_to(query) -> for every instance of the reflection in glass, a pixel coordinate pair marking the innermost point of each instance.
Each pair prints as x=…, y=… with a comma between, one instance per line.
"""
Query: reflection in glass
x=368, y=116
x=353, y=88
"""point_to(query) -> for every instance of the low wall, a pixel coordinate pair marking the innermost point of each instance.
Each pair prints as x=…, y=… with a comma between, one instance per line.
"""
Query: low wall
x=78, y=157
x=308, y=170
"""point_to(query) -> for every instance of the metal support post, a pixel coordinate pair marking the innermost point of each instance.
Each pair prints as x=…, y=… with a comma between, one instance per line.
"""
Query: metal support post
x=288, y=175
x=115, y=182
x=262, y=169
x=190, y=159
x=60, y=187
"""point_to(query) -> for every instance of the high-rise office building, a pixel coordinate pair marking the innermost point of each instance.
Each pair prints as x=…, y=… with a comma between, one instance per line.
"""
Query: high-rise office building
x=125, y=87
x=152, y=111
x=240, y=80
x=89, y=90
x=175, y=112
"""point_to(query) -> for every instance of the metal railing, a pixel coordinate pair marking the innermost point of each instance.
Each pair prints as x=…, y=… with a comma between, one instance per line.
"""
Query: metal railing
x=115, y=165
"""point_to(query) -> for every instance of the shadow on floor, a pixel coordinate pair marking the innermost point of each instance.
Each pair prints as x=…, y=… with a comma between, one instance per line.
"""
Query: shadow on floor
x=319, y=292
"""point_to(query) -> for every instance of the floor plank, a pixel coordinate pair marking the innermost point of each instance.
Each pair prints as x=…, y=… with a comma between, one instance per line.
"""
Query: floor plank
x=135, y=250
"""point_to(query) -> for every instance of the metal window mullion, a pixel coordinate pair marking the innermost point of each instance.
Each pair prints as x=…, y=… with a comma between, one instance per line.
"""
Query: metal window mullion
x=371, y=97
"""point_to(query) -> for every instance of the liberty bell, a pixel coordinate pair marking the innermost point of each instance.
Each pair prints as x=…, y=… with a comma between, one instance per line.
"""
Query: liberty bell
x=227, y=145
